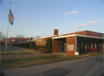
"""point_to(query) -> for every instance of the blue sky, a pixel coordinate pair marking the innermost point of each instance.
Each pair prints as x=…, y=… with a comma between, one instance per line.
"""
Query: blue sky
x=42, y=17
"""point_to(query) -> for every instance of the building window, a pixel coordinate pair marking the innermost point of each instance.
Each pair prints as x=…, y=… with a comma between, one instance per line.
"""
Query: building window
x=45, y=42
x=36, y=43
x=101, y=35
x=40, y=43
x=13, y=39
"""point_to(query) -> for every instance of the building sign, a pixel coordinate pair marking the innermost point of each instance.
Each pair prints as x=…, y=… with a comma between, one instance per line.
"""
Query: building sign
x=70, y=47
x=40, y=40
x=76, y=53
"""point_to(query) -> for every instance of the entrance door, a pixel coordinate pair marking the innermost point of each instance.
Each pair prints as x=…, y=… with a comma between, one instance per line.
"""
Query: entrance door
x=64, y=46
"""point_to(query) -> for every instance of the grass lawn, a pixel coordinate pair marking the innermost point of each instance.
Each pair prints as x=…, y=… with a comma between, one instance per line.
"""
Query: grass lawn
x=38, y=51
x=29, y=61
x=16, y=53
x=22, y=62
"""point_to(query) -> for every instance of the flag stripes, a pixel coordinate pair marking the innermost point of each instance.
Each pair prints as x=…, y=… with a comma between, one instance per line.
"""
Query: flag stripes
x=10, y=17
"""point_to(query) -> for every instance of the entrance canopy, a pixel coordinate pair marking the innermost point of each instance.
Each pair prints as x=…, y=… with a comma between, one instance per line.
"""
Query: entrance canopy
x=63, y=37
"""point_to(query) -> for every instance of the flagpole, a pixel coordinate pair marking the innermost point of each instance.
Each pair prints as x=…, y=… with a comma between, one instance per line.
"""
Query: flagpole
x=7, y=32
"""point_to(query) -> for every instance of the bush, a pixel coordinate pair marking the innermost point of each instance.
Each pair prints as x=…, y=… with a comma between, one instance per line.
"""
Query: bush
x=32, y=45
x=23, y=45
x=37, y=47
x=48, y=46
x=26, y=45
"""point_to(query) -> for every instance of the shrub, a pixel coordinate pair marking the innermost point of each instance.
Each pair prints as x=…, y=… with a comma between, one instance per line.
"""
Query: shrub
x=32, y=45
x=26, y=45
x=23, y=45
x=37, y=47
x=48, y=46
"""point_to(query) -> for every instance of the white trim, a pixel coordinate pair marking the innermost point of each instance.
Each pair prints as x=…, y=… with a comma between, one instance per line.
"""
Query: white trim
x=43, y=37
x=89, y=36
x=63, y=36
x=77, y=35
x=40, y=40
x=76, y=43
x=55, y=35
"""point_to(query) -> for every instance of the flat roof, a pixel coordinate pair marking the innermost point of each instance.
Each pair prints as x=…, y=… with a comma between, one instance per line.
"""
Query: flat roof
x=59, y=37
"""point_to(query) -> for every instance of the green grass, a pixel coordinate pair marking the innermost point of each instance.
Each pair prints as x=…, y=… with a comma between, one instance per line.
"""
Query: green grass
x=22, y=62
x=16, y=53
x=36, y=50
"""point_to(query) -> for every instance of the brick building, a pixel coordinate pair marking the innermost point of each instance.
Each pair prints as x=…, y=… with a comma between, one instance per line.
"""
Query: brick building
x=13, y=40
x=74, y=43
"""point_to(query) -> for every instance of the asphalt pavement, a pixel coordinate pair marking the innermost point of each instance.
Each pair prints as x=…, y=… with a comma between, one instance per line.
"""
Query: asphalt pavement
x=87, y=66
x=10, y=48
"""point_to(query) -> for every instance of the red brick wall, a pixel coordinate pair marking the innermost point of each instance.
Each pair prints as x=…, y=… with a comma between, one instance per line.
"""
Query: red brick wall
x=90, y=33
x=42, y=42
x=38, y=43
x=56, y=45
x=71, y=40
x=86, y=32
x=44, y=39
x=8, y=41
x=55, y=31
x=23, y=39
x=80, y=32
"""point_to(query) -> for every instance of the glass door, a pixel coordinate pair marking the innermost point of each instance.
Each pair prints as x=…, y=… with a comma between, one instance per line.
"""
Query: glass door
x=64, y=46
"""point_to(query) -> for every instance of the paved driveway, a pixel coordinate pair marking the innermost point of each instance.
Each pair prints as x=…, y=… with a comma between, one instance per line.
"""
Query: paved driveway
x=88, y=66
x=9, y=48
x=34, y=54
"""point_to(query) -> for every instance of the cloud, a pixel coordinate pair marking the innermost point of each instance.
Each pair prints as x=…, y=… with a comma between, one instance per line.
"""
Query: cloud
x=67, y=13
x=73, y=12
x=79, y=25
x=93, y=22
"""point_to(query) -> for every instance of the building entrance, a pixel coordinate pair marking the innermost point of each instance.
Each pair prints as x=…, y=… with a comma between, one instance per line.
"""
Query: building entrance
x=63, y=46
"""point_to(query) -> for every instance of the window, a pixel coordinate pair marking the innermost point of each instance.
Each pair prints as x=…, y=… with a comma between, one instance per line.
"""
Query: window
x=36, y=43
x=40, y=43
x=13, y=39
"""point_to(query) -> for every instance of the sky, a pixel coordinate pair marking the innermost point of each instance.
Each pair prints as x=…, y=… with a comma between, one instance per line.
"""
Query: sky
x=41, y=17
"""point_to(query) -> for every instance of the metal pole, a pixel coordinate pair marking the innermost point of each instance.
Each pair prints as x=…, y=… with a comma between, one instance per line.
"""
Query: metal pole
x=7, y=37
x=7, y=32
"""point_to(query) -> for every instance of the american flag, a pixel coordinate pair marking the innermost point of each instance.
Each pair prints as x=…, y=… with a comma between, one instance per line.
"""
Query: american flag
x=10, y=17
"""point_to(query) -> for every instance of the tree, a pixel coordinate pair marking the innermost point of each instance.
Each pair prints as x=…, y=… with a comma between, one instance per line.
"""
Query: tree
x=1, y=36
x=1, y=43
x=48, y=46
x=20, y=36
x=31, y=38
x=37, y=36
x=26, y=45
x=32, y=45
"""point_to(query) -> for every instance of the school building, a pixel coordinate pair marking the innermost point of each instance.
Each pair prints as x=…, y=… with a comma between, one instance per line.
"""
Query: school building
x=74, y=43
x=14, y=40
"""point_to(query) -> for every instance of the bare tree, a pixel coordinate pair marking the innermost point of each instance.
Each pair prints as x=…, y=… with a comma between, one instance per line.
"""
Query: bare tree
x=38, y=37
x=1, y=36
x=20, y=36
x=31, y=38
